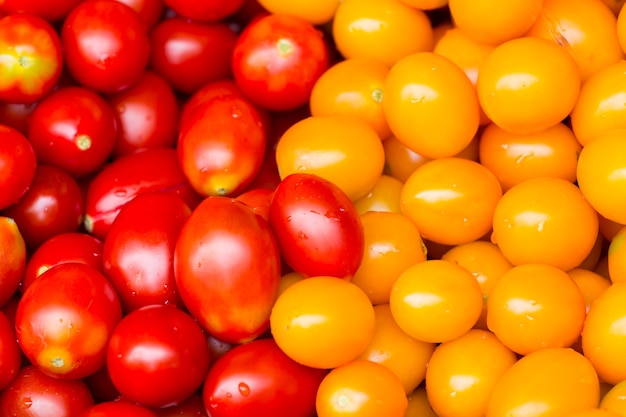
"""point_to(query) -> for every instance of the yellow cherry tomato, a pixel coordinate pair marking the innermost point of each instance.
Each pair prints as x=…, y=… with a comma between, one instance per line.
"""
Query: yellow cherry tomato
x=392, y=244
x=316, y=12
x=403, y=355
x=384, y=196
x=342, y=149
x=286, y=280
x=621, y=29
x=528, y=84
x=545, y=220
x=431, y=105
x=322, y=322
x=426, y=4
x=591, y=284
x=383, y=30
x=547, y=382
x=419, y=406
x=436, y=301
x=617, y=257
x=451, y=200
x=461, y=373
x=615, y=399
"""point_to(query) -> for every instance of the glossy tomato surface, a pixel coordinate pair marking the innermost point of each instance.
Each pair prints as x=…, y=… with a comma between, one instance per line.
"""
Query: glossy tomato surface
x=13, y=258
x=19, y=159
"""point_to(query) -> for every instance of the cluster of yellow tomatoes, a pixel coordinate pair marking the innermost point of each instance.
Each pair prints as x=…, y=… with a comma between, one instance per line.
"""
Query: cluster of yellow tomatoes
x=487, y=160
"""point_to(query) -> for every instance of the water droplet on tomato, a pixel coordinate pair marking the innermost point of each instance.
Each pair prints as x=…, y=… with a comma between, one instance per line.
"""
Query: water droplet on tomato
x=244, y=389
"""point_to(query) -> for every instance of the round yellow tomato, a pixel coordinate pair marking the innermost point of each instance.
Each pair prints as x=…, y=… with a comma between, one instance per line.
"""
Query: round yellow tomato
x=436, y=301
x=615, y=399
x=342, y=149
x=400, y=160
x=451, y=200
x=545, y=220
x=431, y=105
x=419, y=406
x=322, y=322
x=617, y=257
x=384, y=196
x=316, y=12
x=528, y=84
x=590, y=283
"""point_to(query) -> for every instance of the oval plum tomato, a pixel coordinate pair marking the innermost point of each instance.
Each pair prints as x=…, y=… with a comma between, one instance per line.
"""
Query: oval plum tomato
x=189, y=54
x=106, y=45
x=10, y=353
x=221, y=146
x=550, y=381
x=60, y=249
x=73, y=128
x=259, y=199
x=53, y=204
x=52, y=11
x=65, y=319
x=138, y=252
x=207, y=10
x=147, y=114
x=116, y=409
x=323, y=322
x=132, y=174
x=259, y=379
x=33, y=394
x=150, y=11
x=277, y=60
x=18, y=161
x=158, y=356
x=227, y=269
x=317, y=227
x=32, y=58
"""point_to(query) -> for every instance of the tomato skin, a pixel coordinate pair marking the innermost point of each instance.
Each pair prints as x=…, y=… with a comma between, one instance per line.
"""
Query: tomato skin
x=138, y=251
x=191, y=407
x=175, y=359
x=32, y=58
x=149, y=11
x=33, y=393
x=208, y=10
x=65, y=320
x=12, y=258
x=19, y=163
x=10, y=353
x=116, y=409
x=52, y=11
x=126, y=177
x=317, y=227
x=106, y=45
x=227, y=269
x=189, y=54
x=73, y=128
x=259, y=199
x=277, y=60
x=259, y=379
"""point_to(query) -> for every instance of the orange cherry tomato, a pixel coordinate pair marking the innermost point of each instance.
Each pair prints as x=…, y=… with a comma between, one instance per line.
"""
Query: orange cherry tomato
x=590, y=284
x=426, y=4
x=384, y=30
x=316, y=12
x=384, y=196
x=419, y=406
x=451, y=200
x=615, y=399
x=621, y=29
x=616, y=257
x=431, y=105
x=545, y=220
x=400, y=160
x=528, y=84
x=436, y=301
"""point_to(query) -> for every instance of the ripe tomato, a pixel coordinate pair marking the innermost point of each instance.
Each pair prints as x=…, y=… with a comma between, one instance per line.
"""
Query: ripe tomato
x=116, y=409
x=65, y=319
x=259, y=379
x=138, y=251
x=277, y=60
x=158, y=356
x=317, y=227
x=149, y=11
x=191, y=407
x=106, y=45
x=32, y=58
x=323, y=322
x=209, y=10
x=259, y=199
x=227, y=269
x=19, y=163
x=313, y=11
x=13, y=258
x=384, y=196
x=52, y=11
x=10, y=353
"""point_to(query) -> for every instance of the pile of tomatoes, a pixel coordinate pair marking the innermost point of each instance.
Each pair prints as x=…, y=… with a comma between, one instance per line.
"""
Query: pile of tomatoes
x=313, y=208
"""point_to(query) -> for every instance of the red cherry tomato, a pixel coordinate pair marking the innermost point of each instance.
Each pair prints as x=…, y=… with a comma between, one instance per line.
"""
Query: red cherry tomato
x=259, y=379
x=16, y=115
x=106, y=45
x=158, y=356
x=18, y=162
x=259, y=200
x=191, y=407
x=65, y=319
x=53, y=204
x=10, y=353
x=317, y=227
x=222, y=145
x=61, y=249
x=147, y=113
x=31, y=58
x=206, y=10
x=49, y=10
x=227, y=269
x=138, y=251
x=116, y=409
x=126, y=177
x=12, y=258
x=277, y=60
x=189, y=54
x=149, y=11
x=74, y=129
x=33, y=393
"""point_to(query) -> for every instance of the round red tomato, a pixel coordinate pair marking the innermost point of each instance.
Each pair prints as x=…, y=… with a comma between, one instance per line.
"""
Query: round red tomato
x=50, y=10
x=13, y=257
x=149, y=11
x=206, y=10
x=227, y=269
x=277, y=60
x=158, y=356
x=19, y=163
x=116, y=409
x=317, y=227
x=31, y=58
x=259, y=379
x=106, y=45
x=10, y=353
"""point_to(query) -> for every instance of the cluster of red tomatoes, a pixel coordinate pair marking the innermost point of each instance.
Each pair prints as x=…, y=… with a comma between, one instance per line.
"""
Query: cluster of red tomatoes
x=310, y=208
